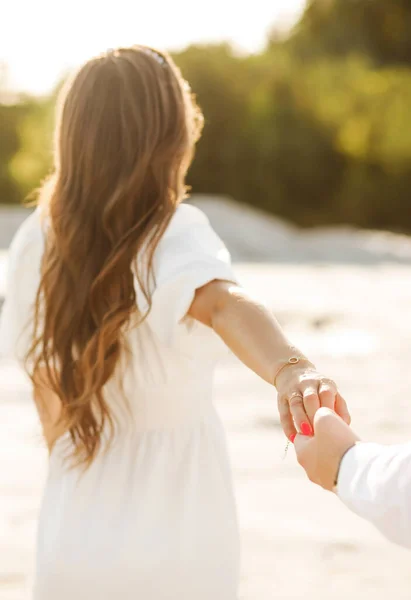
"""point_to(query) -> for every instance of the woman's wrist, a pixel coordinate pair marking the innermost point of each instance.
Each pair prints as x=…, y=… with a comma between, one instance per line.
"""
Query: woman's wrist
x=294, y=367
x=296, y=361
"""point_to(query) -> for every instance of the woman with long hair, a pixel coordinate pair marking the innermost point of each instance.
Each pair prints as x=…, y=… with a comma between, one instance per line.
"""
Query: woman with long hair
x=119, y=296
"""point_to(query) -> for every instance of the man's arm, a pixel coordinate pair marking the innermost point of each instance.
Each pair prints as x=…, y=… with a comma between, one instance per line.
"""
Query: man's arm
x=374, y=481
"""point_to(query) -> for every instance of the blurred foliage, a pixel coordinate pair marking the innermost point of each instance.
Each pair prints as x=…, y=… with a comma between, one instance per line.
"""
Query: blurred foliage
x=319, y=141
x=380, y=29
x=314, y=129
x=26, y=126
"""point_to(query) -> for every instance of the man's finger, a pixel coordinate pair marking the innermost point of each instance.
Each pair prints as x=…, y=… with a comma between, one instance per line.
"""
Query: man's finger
x=302, y=444
x=330, y=427
x=304, y=450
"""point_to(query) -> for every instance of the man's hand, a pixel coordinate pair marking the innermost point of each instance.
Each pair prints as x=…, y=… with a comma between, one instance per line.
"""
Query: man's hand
x=321, y=455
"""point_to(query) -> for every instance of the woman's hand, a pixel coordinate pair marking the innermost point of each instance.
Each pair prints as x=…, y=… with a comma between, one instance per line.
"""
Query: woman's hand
x=321, y=455
x=301, y=392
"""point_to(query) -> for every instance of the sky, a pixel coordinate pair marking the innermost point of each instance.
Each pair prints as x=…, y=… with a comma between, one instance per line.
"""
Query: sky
x=41, y=39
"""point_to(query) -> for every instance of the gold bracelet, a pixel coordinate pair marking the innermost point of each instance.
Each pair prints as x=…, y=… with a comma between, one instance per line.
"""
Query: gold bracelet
x=292, y=361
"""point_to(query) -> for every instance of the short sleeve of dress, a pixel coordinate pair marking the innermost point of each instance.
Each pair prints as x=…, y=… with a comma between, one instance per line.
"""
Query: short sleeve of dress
x=23, y=278
x=189, y=256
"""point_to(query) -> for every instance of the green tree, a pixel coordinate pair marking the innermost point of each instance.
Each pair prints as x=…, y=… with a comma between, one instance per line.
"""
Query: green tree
x=219, y=79
x=32, y=161
x=376, y=28
x=10, y=144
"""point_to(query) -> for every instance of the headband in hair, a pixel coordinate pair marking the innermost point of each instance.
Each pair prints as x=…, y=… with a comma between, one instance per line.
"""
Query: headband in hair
x=156, y=55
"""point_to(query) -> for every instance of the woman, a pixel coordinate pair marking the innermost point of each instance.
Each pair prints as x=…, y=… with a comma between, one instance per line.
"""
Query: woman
x=133, y=293
x=374, y=481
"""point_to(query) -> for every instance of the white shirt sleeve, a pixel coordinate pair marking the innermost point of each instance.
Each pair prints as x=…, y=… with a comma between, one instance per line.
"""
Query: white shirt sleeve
x=23, y=278
x=375, y=482
x=189, y=256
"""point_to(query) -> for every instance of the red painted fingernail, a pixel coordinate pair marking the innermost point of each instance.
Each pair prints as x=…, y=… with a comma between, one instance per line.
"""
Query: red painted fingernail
x=292, y=437
x=306, y=429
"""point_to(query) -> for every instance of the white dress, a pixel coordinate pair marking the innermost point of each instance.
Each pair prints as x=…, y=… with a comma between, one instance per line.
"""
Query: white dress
x=153, y=518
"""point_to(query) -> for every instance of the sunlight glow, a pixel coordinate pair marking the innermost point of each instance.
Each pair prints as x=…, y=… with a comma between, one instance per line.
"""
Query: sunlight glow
x=40, y=41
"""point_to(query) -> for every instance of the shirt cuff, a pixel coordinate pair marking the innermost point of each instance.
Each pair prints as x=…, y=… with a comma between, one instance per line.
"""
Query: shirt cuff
x=352, y=467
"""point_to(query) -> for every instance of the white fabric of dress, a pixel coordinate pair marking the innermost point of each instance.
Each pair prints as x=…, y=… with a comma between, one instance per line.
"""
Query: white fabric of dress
x=154, y=517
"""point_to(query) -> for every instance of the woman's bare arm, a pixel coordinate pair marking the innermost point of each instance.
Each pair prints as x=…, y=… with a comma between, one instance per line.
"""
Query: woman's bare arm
x=251, y=331
x=246, y=326
x=48, y=407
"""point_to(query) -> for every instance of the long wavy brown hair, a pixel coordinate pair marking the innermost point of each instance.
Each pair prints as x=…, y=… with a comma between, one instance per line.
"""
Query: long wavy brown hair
x=126, y=130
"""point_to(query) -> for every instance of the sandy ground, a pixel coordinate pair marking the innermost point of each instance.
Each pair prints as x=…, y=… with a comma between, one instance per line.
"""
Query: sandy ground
x=298, y=541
